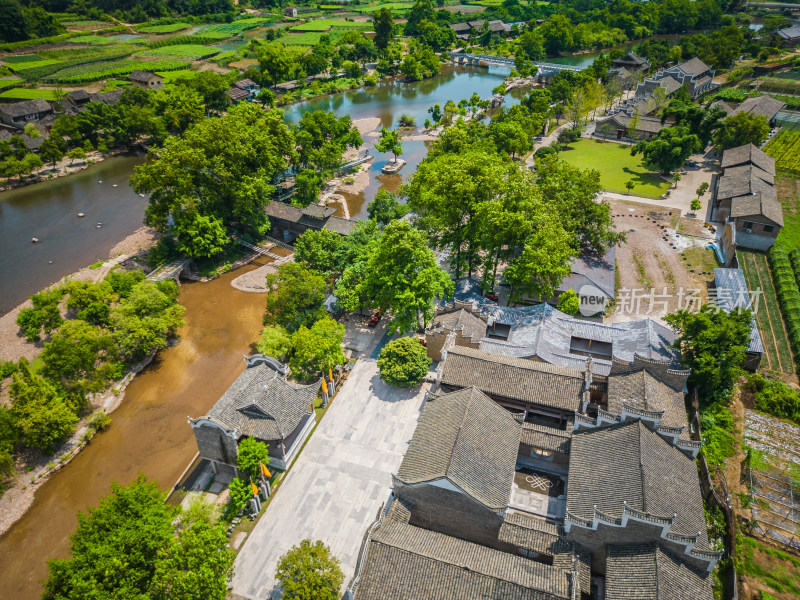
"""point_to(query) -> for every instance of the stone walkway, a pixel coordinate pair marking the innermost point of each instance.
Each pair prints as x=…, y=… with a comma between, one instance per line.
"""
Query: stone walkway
x=338, y=483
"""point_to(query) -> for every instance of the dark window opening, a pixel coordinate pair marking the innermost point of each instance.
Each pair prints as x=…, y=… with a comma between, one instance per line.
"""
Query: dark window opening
x=498, y=331
x=590, y=348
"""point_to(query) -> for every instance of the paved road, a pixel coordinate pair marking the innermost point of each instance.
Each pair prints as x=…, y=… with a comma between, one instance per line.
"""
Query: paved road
x=336, y=486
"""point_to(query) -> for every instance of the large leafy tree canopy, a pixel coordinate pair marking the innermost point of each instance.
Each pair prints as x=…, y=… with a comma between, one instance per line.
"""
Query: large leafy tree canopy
x=310, y=572
x=322, y=139
x=740, y=129
x=131, y=547
x=221, y=170
x=317, y=348
x=402, y=276
x=297, y=297
x=714, y=345
x=403, y=362
x=670, y=148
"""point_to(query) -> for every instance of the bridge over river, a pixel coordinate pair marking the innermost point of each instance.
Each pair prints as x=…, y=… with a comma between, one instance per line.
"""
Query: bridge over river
x=478, y=60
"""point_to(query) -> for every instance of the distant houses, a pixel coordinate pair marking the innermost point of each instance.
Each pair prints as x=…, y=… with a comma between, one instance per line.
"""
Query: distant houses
x=290, y=222
x=463, y=30
x=146, y=80
x=631, y=63
x=765, y=106
x=19, y=114
x=790, y=36
x=243, y=90
x=290, y=11
x=694, y=73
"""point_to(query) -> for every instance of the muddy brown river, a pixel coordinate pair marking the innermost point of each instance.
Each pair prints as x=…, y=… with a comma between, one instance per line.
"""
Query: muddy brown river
x=148, y=433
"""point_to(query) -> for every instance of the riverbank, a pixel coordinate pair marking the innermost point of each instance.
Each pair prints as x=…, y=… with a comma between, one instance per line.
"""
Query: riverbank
x=33, y=469
x=64, y=167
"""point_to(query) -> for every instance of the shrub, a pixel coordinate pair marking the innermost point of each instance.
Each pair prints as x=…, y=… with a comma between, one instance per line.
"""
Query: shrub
x=99, y=421
x=407, y=120
x=275, y=341
x=775, y=397
x=44, y=315
x=403, y=362
x=569, y=303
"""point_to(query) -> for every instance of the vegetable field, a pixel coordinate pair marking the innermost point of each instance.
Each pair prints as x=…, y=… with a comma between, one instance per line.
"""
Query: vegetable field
x=324, y=25
x=788, y=294
x=92, y=40
x=225, y=30
x=182, y=52
x=4, y=83
x=95, y=71
x=33, y=64
x=23, y=58
x=785, y=149
x=309, y=38
x=172, y=27
x=777, y=352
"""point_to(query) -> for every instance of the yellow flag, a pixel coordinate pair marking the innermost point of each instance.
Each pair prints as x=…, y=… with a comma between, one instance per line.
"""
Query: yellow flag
x=255, y=489
x=264, y=470
x=330, y=372
x=324, y=386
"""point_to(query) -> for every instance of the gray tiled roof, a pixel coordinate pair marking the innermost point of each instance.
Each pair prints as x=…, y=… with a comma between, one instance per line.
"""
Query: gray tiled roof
x=470, y=325
x=732, y=293
x=142, y=76
x=641, y=389
x=262, y=405
x=631, y=60
x=283, y=210
x=670, y=84
x=459, y=27
x=468, y=439
x=633, y=464
x=694, y=67
x=762, y=203
x=26, y=107
x=244, y=83
x=405, y=562
x=237, y=94
x=729, y=110
x=545, y=332
x=748, y=154
x=547, y=438
x=790, y=33
x=766, y=106
x=648, y=572
x=529, y=532
x=514, y=378
x=340, y=225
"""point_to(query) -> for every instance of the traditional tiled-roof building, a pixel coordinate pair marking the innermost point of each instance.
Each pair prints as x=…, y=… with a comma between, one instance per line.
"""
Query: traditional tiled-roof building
x=262, y=405
x=19, y=114
x=745, y=200
x=488, y=505
x=290, y=222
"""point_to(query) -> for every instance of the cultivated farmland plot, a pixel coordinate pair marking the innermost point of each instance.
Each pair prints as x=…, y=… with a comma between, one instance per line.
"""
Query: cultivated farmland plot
x=777, y=507
x=183, y=51
x=326, y=24
x=163, y=28
x=785, y=149
x=777, y=351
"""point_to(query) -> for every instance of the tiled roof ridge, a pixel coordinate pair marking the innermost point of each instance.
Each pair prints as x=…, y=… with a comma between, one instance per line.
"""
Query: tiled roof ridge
x=522, y=363
x=459, y=432
x=461, y=561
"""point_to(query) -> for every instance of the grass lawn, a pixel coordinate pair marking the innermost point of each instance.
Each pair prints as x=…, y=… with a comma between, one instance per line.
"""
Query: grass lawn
x=788, y=185
x=616, y=166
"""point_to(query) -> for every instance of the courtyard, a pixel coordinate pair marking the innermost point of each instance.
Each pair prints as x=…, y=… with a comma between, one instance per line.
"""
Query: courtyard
x=616, y=167
x=336, y=487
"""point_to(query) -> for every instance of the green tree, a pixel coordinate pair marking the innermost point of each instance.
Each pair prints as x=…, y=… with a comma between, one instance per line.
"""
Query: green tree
x=385, y=208
x=222, y=167
x=696, y=205
x=240, y=493
x=199, y=564
x=307, y=186
x=319, y=250
x=317, y=348
x=383, y=24
x=740, y=129
x=542, y=265
x=212, y=86
x=297, y=297
x=322, y=139
x=31, y=131
x=73, y=355
x=669, y=149
x=275, y=341
x=199, y=235
x=629, y=185
x=40, y=414
x=569, y=303
x=403, y=362
x=251, y=454
x=13, y=26
x=713, y=345
x=402, y=276
x=118, y=545
x=179, y=106
x=702, y=189
x=421, y=11
x=390, y=142
x=275, y=63
x=43, y=317
x=76, y=154
x=310, y=572
x=143, y=322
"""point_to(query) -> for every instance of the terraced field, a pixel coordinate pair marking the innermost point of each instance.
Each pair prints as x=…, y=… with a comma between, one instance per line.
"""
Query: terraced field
x=785, y=149
x=181, y=52
x=777, y=352
x=170, y=28
x=325, y=25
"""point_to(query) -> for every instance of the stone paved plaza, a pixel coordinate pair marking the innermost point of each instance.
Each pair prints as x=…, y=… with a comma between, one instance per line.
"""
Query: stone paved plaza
x=337, y=485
